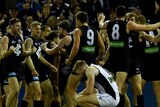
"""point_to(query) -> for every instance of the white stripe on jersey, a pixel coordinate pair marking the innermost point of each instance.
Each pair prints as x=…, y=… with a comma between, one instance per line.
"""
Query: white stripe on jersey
x=107, y=75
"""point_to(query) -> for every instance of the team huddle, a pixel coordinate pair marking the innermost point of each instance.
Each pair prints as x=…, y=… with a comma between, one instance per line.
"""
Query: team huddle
x=51, y=64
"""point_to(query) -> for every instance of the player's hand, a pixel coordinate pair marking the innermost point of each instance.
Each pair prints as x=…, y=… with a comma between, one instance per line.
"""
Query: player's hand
x=68, y=62
x=101, y=17
x=34, y=49
x=101, y=63
x=142, y=35
x=97, y=61
x=44, y=46
x=53, y=68
x=12, y=48
x=96, y=90
x=35, y=73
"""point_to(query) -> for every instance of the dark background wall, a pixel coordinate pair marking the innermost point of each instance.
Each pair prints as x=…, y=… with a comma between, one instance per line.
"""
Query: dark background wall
x=147, y=6
x=6, y=4
x=149, y=97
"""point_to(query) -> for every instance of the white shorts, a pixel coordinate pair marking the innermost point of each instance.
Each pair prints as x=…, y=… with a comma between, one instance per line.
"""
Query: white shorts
x=106, y=100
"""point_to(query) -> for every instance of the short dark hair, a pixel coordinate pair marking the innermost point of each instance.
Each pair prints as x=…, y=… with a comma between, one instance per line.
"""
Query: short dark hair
x=12, y=21
x=82, y=16
x=121, y=11
x=44, y=27
x=65, y=25
x=53, y=34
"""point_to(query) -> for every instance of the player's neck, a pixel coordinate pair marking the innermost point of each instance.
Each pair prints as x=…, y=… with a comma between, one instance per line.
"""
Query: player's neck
x=12, y=33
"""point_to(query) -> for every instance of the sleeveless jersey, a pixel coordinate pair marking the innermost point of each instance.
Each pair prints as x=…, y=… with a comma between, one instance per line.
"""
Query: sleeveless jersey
x=36, y=55
x=49, y=58
x=66, y=69
x=119, y=51
x=134, y=45
x=88, y=44
x=150, y=49
x=105, y=82
x=118, y=37
x=150, y=60
x=45, y=70
x=14, y=61
x=67, y=48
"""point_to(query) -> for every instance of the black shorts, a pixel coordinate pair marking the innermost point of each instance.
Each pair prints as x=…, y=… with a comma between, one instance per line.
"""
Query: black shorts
x=134, y=68
x=44, y=73
x=29, y=77
x=150, y=70
x=14, y=71
x=43, y=77
x=115, y=64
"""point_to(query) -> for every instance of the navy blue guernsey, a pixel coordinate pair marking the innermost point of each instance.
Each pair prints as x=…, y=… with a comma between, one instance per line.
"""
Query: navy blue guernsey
x=118, y=37
x=68, y=50
x=14, y=61
x=150, y=60
x=134, y=45
x=49, y=58
x=119, y=49
x=36, y=55
x=150, y=49
x=88, y=44
x=69, y=47
x=65, y=70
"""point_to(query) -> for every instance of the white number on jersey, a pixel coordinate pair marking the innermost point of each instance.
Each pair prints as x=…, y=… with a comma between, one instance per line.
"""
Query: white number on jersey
x=38, y=52
x=17, y=50
x=90, y=36
x=115, y=32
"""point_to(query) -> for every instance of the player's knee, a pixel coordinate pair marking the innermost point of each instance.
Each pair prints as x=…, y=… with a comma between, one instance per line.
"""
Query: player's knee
x=15, y=92
x=137, y=90
x=28, y=96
